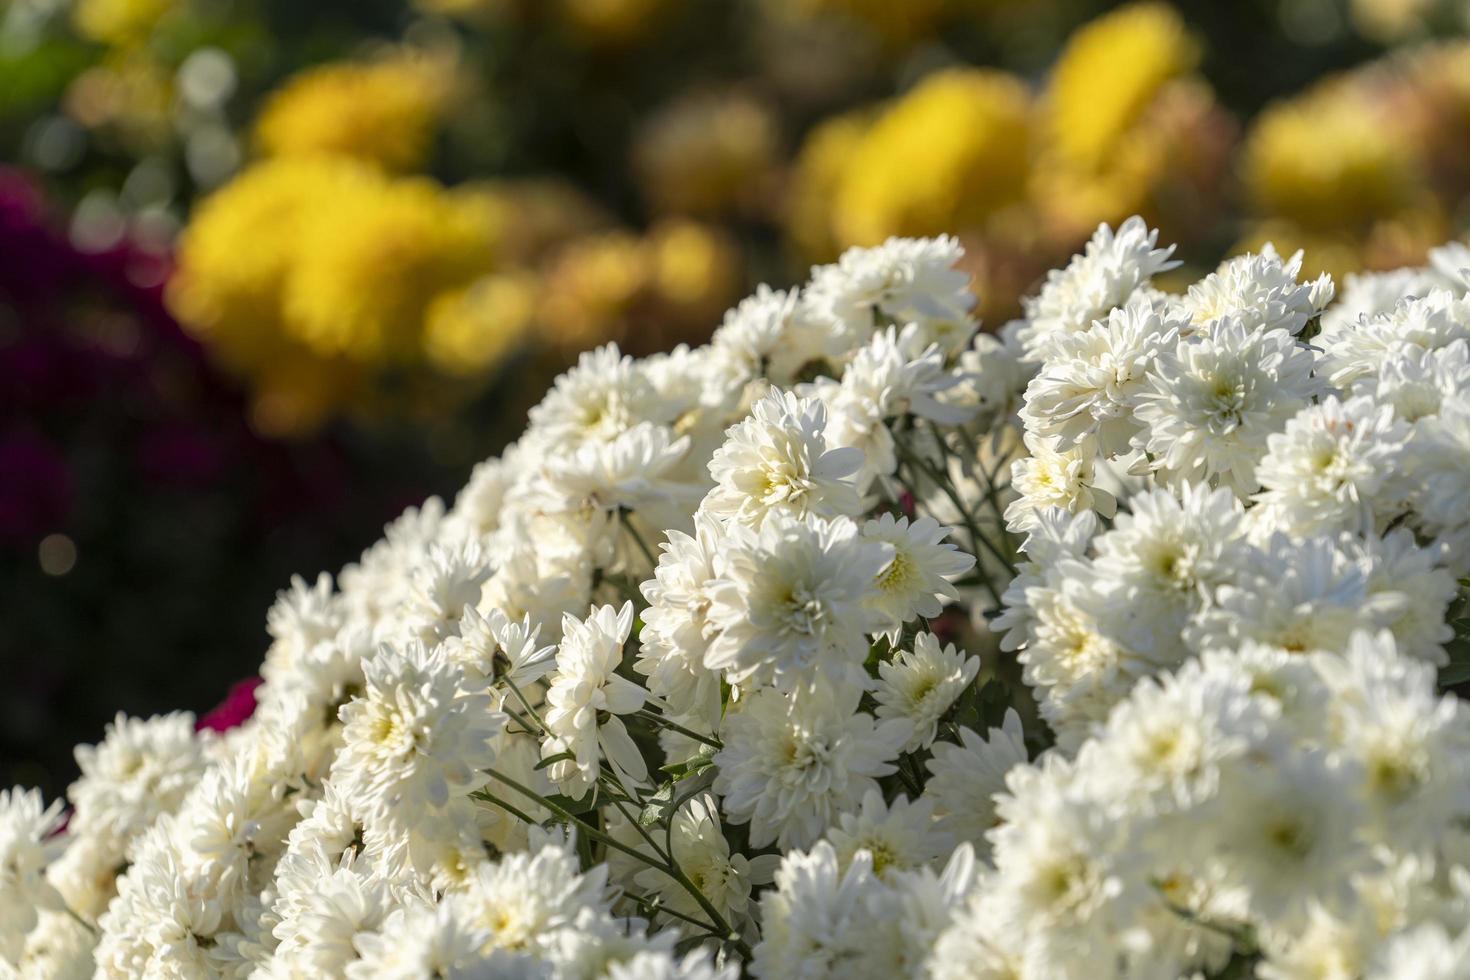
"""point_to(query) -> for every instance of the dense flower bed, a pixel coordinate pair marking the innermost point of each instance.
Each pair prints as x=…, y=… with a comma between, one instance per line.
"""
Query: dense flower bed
x=699, y=676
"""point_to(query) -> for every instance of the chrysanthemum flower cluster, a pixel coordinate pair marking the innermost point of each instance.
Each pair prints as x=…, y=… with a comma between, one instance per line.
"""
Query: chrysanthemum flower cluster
x=694, y=679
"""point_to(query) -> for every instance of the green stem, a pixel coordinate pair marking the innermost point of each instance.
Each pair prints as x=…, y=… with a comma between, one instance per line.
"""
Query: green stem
x=671, y=869
x=647, y=715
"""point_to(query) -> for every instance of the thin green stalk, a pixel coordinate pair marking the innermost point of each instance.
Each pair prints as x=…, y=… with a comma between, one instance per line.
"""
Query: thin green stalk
x=672, y=870
x=673, y=726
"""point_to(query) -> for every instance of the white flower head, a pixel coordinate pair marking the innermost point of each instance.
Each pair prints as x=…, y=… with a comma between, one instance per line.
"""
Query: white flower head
x=586, y=697
x=921, y=685
x=1101, y=278
x=794, y=601
x=966, y=777
x=1215, y=398
x=1259, y=291
x=1092, y=378
x=777, y=461
x=790, y=766
x=918, y=579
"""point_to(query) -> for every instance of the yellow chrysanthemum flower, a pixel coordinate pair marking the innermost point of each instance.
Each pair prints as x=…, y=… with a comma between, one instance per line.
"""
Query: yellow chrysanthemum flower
x=1328, y=160
x=238, y=250
x=370, y=258
x=1107, y=76
x=646, y=292
x=120, y=23
x=815, y=177
x=383, y=111
x=469, y=330
x=947, y=155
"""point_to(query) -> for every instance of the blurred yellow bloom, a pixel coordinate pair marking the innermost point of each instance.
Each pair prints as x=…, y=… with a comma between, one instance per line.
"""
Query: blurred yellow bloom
x=947, y=155
x=120, y=23
x=1107, y=76
x=236, y=254
x=313, y=271
x=384, y=111
x=468, y=331
x=370, y=257
x=1329, y=159
x=706, y=154
x=647, y=292
x=815, y=177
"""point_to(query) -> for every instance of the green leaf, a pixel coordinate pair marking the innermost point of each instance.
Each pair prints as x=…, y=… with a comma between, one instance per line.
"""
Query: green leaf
x=552, y=759
x=659, y=806
x=692, y=767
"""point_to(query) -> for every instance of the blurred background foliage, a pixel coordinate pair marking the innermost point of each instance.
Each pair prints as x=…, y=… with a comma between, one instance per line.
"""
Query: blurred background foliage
x=271, y=269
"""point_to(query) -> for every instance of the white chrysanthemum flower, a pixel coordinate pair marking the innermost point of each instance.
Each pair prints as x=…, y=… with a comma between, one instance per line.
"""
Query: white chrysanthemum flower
x=993, y=375
x=919, y=686
x=966, y=777
x=1259, y=291
x=477, y=506
x=918, y=579
x=1057, y=536
x=770, y=334
x=651, y=964
x=1408, y=743
x=496, y=652
x=1415, y=579
x=1417, y=382
x=898, y=837
x=301, y=617
x=1049, y=478
x=897, y=374
x=777, y=461
x=1165, y=747
x=1092, y=378
x=586, y=697
x=1101, y=278
x=524, y=901
x=980, y=944
x=1215, y=398
x=789, y=766
x=1163, y=560
x=415, y=739
x=418, y=942
x=140, y=771
x=1369, y=294
x=904, y=280
x=1439, y=463
x=1060, y=870
x=58, y=948
x=793, y=602
x=607, y=393
x=532, y=585
x=165, y=916
x=1333, y=468
x=320, y=924
x=822, y=920
x=1425, y=952
x=1295, y=596
x=1352, y=350
x=448, y=582
x=632, y=476
x=1292, y=832
x=27, y=826
x=676, y=625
